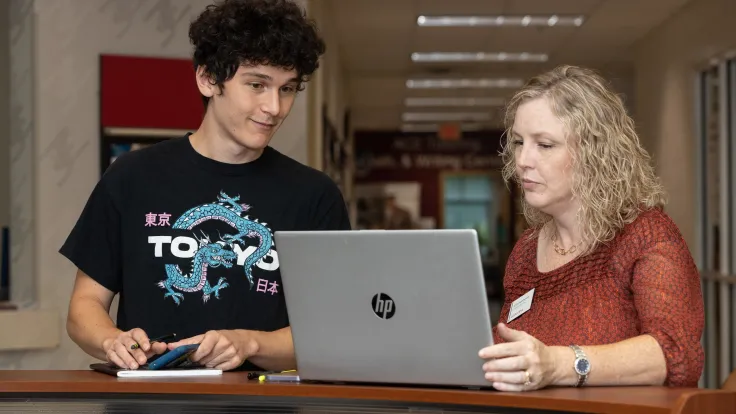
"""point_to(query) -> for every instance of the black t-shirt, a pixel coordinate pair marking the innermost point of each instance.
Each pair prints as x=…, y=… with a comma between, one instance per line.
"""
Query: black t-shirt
x=187, y=241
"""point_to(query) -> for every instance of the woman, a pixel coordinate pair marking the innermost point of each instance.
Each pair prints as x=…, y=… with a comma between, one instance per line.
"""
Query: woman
x=601, y=289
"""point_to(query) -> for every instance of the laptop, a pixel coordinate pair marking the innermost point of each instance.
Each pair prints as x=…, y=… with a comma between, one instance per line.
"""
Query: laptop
x=392, y=307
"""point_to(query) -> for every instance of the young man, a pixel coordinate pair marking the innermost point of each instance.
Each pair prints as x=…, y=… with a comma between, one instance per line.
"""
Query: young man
x=183, y=230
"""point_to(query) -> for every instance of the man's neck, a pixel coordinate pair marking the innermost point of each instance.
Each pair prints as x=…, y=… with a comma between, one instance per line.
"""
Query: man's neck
x=209, y=141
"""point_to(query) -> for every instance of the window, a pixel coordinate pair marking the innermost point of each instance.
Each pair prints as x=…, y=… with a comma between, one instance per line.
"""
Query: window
x=469, y=204
x=716, y=188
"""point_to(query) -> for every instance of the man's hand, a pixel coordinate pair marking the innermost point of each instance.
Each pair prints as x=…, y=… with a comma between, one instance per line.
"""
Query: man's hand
x=225, y=349
x=118, y=350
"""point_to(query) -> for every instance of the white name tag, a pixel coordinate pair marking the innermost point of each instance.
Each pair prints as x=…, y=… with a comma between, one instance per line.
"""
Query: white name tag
x=521, y=305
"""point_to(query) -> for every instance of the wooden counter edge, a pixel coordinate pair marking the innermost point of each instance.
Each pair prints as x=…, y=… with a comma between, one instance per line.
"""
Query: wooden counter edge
x=694, y=401
x=706, y=401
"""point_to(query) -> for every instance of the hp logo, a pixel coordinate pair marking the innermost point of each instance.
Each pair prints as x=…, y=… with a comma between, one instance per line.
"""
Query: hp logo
x=383, y=306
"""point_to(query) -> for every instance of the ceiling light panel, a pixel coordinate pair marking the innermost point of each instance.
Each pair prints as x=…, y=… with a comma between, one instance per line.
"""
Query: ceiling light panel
x=480, y=83
x=479, y=57
x=445, y=116
x=511, y=20
x=454, y=102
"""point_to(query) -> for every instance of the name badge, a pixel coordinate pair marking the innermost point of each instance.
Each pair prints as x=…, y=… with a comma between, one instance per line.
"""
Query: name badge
x=521, y=305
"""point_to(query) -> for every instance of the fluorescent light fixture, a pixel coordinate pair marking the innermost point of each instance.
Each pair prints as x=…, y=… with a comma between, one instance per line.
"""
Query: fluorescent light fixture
x=469, y=126
x=454, y=101
x=464, y=83
x=445, y=116
x=479, y=57
x=510, y=20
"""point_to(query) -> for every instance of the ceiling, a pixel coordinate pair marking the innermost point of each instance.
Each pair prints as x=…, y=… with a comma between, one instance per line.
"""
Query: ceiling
x=377, y=37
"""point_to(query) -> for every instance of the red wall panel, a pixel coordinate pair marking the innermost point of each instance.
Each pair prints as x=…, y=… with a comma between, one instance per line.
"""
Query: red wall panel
x=148, y=92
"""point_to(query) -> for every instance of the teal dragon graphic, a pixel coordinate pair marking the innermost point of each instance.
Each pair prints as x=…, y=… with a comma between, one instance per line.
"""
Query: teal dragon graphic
x=211, y=254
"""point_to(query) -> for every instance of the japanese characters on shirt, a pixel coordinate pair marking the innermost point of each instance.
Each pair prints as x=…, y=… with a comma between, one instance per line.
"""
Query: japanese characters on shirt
x=246, y=244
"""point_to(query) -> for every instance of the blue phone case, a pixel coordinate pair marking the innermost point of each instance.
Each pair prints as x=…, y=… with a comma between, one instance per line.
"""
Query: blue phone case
x=173, y=358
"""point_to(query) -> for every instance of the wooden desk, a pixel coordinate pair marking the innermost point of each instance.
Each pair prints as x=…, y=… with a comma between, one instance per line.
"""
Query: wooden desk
x=74, y=390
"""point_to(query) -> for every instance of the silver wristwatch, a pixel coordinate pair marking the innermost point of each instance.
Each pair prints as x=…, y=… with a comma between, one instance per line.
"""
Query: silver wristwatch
x=581, y=365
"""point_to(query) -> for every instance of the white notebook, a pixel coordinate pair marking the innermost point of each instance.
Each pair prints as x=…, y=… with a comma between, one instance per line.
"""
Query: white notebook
x=157, y=373
x=145, y=373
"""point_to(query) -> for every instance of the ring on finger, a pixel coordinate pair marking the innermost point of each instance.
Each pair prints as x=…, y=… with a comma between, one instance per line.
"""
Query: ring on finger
x=528, y=378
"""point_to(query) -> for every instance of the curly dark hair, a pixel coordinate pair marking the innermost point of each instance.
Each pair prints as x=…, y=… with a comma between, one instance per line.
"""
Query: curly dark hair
x=231, y=33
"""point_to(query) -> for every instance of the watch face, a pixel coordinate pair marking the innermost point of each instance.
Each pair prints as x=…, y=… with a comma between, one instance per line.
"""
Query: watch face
x=582, y=366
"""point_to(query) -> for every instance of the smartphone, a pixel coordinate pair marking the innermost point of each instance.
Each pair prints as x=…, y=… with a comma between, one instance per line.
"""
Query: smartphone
x=173, y=358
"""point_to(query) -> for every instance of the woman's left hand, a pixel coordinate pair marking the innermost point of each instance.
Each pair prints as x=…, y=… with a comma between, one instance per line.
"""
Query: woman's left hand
x=522, y=363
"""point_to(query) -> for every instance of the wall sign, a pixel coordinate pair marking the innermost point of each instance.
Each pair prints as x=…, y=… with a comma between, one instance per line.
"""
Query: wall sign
x=380, y=152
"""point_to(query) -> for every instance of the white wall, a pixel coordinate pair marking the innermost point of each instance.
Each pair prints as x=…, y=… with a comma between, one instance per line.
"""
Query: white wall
x=22, y=163
x=329, y=82
x=4, y=113
x=335, y=88
x=666, y=65
x=330, y=88
x=56, y=85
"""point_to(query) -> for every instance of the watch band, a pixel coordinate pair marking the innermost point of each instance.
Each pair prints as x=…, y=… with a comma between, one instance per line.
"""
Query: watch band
x=580, y=355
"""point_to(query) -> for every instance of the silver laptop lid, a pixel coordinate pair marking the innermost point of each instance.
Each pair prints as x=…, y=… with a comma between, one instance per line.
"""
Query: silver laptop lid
x=400, y=306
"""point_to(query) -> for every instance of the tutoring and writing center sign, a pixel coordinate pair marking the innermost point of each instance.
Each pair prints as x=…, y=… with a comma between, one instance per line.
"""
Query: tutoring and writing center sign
x=393, y=157
x=376, y=153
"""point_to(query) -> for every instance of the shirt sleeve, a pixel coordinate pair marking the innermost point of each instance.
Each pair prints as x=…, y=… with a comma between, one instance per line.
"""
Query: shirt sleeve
x=330, y=212
x=668, y=298
x=94, y=245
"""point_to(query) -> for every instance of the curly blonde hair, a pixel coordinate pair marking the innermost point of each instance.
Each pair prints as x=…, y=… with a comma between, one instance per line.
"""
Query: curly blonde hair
x=612, y=176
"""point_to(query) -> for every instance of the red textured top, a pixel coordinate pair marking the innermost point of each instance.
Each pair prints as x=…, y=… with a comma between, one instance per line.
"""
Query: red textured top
x=642, y=282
